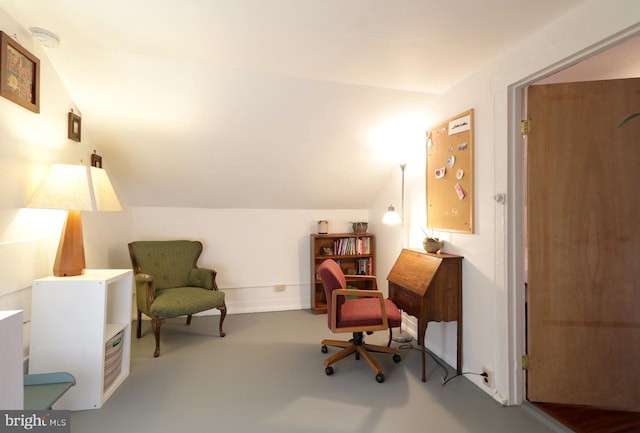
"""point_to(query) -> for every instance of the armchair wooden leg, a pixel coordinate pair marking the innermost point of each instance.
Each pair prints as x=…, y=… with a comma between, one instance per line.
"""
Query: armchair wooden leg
x=189, y=319
x=156, y=321
x=223, y=314
x=139, y=327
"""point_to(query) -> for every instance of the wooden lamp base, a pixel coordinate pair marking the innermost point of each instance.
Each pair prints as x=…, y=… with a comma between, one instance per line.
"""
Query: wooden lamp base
x=70, y=257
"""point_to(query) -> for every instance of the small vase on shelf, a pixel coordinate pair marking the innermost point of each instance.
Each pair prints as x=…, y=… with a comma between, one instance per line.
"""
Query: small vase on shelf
x=360, y=227
x=323, y=227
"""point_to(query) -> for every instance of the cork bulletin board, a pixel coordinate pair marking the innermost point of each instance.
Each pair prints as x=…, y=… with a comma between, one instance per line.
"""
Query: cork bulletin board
x=449, y=175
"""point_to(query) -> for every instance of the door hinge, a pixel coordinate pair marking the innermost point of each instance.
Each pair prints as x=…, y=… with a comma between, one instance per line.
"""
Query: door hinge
x=525, y=127
x=525, y=362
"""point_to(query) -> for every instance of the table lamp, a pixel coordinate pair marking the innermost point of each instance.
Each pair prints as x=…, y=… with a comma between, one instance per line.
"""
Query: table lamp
x=74, y=188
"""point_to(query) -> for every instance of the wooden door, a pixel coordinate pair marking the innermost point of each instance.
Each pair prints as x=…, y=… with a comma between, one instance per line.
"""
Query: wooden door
x=583, y=180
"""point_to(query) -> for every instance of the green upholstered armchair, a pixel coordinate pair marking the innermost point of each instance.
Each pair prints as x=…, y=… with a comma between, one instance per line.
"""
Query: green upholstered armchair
x=169, y=283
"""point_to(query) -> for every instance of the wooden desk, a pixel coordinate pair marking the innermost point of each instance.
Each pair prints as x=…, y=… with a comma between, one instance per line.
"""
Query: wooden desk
x=429, y=287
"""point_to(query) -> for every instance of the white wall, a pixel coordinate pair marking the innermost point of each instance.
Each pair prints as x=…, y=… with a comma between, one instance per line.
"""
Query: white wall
x=493, y=256
x=29, y=143
x=251, y=249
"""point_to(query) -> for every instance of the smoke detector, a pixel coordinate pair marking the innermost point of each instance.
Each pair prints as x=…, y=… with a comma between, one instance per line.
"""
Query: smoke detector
x=45, y=37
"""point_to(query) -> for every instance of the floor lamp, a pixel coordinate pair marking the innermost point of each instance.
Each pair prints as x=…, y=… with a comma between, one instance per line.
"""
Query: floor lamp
x=74, y=188
x=392, y=217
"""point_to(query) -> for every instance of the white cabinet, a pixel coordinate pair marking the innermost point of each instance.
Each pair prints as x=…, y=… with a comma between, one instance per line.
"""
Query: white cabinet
x=72, y=320
x=11, y=374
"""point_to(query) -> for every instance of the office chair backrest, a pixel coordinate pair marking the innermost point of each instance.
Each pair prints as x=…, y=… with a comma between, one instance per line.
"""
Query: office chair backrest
x=332, y=278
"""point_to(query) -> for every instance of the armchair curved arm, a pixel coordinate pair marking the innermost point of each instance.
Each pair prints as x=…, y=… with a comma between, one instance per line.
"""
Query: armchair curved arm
x=145, y=292
x=143, y=278
x=360, y=293
x=202, y=277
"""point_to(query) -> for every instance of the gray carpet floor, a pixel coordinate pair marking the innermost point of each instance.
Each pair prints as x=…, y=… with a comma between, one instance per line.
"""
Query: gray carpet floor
x=267, y=375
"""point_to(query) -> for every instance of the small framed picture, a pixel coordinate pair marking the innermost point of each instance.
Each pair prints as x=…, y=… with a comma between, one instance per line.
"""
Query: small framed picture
x=75, y=126
x=19, y=74
x=96, y=160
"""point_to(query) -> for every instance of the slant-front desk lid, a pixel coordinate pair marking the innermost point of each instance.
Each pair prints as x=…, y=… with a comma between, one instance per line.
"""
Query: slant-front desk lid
x=414, y=270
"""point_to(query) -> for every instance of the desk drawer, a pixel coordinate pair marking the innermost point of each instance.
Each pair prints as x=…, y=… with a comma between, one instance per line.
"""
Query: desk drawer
x=407, y=301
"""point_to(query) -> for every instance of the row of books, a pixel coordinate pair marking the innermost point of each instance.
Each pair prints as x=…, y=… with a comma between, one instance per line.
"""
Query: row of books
x=352, y=246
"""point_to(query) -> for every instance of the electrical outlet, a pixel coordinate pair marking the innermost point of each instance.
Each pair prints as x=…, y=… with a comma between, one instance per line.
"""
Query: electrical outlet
x=280, y=287
x=487, y=376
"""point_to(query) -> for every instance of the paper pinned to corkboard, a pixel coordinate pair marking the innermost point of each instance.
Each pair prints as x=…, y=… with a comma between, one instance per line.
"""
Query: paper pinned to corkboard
x=449, y=174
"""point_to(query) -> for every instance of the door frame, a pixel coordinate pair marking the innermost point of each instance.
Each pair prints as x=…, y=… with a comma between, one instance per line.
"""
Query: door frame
x=515, y=226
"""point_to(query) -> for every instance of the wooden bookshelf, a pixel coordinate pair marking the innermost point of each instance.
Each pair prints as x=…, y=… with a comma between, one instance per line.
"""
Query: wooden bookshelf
x=354, y=253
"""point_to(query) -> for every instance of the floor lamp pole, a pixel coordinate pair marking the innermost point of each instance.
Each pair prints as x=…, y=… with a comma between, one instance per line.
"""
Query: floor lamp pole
x=402, y=167
x=403, y=337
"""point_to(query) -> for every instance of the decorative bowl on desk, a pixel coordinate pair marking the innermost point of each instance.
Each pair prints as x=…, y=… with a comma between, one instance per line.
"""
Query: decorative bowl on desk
x=432, y=245
x=360, y=227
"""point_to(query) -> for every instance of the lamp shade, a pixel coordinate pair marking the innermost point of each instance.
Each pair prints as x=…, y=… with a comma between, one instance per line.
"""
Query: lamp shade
x=104, y=196
x=391, y=217
x=74, y=188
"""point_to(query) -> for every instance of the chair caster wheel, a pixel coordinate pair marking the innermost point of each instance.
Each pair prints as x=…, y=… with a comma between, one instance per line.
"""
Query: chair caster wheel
x=380, y=378
x=324, y=349
x=397, y=358
x=329, y=370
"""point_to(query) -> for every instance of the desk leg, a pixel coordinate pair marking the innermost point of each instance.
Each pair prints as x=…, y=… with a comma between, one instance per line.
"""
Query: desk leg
x=459, y=318
x=424, y=376
x=459, y=348
x=422, y=332
x=459, y=357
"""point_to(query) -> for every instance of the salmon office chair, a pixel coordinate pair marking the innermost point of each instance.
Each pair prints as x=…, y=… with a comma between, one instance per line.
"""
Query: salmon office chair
x=368, y=312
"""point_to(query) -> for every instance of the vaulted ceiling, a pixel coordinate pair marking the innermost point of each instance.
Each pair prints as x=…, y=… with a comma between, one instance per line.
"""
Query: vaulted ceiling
x=267, y=103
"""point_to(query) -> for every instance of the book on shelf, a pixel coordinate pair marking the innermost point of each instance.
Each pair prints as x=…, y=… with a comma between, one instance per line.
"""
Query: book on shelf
x=352, y=246
x=362, y=267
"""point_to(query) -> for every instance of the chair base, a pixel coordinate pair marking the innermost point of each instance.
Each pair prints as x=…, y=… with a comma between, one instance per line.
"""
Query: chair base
x=361, y=349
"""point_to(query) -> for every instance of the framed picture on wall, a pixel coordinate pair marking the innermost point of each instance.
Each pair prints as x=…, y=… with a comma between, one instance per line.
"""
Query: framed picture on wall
x=19, y=74
x=75, y=126
x=96, y=160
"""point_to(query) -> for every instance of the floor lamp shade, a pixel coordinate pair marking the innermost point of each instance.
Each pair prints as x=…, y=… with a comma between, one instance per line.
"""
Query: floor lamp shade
x=74, y=188
x=391, y=217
